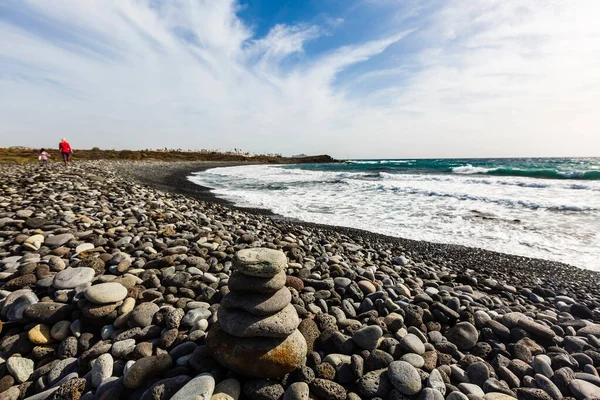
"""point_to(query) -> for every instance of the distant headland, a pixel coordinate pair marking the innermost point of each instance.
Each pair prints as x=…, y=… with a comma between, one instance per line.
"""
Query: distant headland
x=20, y=154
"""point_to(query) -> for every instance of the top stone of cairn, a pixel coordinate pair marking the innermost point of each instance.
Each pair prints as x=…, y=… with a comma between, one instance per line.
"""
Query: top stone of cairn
x=260, y=262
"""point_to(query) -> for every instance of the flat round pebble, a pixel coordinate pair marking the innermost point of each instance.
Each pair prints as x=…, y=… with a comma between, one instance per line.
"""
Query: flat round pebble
x=104, y=293
x=260, y=262
x=258, y=303
x=412, y=344
x=72, y=277
x=404, y=377
x=242, y=324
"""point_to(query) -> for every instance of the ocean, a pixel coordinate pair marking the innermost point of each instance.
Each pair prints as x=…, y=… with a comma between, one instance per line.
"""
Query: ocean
x=545, y=208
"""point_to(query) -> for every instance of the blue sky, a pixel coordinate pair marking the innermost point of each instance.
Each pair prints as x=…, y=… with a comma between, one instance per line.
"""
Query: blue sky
x=354, y=78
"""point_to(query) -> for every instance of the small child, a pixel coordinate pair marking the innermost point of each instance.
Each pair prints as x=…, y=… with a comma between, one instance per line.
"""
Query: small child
x=43, y=157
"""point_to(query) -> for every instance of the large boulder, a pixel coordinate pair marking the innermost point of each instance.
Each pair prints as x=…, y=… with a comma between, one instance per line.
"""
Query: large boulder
x=257, y=356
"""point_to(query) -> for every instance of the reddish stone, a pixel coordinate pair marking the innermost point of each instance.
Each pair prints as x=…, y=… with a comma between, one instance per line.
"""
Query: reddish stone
x=296, y=283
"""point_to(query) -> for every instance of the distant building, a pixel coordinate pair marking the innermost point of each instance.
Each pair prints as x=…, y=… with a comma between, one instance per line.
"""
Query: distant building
x=300, y=156
x=20, y=147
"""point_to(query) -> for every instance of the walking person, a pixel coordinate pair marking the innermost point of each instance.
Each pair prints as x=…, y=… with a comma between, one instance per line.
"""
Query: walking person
x=43, y=157
x=65, y=150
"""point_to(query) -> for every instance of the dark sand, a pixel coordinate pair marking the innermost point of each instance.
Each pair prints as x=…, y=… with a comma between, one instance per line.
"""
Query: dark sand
x=173, y=178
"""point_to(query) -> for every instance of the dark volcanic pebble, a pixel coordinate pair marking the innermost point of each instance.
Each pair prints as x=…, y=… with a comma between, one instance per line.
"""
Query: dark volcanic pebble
x=70, y=390
x=48, y=312
x=327, y=390
x=263, y=389
x=382, y=318
x=375, y=384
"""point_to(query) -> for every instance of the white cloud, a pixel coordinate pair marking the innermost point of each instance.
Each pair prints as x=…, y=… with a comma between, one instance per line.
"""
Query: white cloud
x=490, y=78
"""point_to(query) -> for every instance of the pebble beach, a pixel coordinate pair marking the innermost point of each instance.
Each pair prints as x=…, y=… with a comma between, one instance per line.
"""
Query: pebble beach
x=123, y=280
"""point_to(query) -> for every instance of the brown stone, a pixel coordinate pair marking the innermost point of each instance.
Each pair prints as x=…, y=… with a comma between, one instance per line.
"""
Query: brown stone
x=6, y=382
x=61, y=251
x=48, y=312
x=134, y=292
x=28, y=268
x=531, y=345
x=309, y=329
x=123, y=266
x=295, y=282
x=141, y=350
x=367, y=287
x=43, y=271
x=92, y=310
x=94, y=263
x=21, y=282
x=169, y=231
x=72, y=389
x=40, y=352
x=258, y=356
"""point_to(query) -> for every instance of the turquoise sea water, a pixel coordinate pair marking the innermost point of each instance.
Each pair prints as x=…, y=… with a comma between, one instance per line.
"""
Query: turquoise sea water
x=538, y=207
x=543, y=168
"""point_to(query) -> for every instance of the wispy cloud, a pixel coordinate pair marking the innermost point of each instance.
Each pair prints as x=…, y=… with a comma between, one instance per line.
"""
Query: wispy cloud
x=477, y=78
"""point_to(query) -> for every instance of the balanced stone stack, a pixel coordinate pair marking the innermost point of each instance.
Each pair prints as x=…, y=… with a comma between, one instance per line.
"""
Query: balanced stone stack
x=256, y=333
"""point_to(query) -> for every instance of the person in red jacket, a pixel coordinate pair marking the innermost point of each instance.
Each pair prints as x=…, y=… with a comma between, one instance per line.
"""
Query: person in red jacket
x=65, y=150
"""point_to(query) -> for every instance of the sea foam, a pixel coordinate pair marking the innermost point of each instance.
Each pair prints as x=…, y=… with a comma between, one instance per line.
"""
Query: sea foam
x=555, y=219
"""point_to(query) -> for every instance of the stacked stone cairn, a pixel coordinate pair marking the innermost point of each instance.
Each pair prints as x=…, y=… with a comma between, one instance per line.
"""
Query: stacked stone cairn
x=256, y=334
x=108, y=289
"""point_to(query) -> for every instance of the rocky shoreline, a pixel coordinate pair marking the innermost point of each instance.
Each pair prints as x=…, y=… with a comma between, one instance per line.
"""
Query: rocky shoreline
x=172, y=178
x=112, y=276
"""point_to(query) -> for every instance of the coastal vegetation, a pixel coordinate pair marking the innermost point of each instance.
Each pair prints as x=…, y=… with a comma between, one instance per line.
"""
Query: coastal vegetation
x=25, y=154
